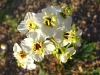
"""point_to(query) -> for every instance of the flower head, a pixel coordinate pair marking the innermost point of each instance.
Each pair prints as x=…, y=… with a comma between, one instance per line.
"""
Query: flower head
x=19, y=53
x=27, y=63
x=23, y=57
x=37, y=46
x=72, y=36
x=28, y=24
x=68, y=53
x=48, y=32
x=47, y=21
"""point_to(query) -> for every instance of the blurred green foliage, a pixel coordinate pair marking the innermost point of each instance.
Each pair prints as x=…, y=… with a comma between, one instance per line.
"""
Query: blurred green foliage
x=2, y=54
x=98, y=1
x=42, y=72
x=54, y=4
x=3, y=13
x=8, y=1
x=12, y=23
x=96, y=71
x=7, y=19
x=84, y=52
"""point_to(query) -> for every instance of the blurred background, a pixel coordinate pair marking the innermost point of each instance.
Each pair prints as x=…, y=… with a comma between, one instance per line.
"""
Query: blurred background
x=86, y=16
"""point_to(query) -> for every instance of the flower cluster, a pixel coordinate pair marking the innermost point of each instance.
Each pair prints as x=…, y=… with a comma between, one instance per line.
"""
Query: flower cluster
x=48, y=32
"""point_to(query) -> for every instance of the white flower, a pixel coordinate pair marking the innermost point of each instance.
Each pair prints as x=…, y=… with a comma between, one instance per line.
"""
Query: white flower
x=19, y=53
x=27, y=63
x=47, y=21
x=63, y=15
x=28, y=24
x=37, y=46
x=73, y=37
x=68, y=53
x=64, y=21
x=23, y=57
x=59, y=36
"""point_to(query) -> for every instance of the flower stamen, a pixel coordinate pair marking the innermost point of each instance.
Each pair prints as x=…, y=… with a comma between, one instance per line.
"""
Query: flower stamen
x=66, y=10
x=49, y=19
x=37, y=46
x=30, y=24
x=22, y=54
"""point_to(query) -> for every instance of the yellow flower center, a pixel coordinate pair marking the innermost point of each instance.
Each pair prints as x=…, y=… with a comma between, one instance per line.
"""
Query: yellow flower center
x=30, y=24
x=70, y=36
x=49, y=19
x=22, y=54
x=66, y=11
x=37, y=47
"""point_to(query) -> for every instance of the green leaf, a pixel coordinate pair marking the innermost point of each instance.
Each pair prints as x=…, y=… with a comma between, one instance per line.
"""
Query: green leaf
x=96, y=72
x=2, y=54
x=8, y=1
x=88, y=47
x=3, y=13
x=73, y=27
x=91, y=57
x=42, y=72
x=54, y=4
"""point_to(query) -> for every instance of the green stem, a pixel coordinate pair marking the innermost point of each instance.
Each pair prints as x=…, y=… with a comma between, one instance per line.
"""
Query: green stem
x=68, y=45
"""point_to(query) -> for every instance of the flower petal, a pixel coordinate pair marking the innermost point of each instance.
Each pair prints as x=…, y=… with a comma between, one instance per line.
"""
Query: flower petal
x=78, y=43
x=37, y=57
x=79, y=32
x=29, y=15
x=68, y=23
x=36, y=35
x=22, y=28
x=16, y=48
x=31, y=66
x=63, y=58
x=48, y=47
